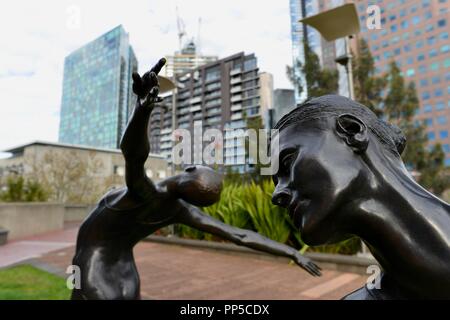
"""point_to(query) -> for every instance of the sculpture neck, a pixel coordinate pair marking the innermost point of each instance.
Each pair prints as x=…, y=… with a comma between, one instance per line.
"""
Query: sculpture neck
x=406, y=227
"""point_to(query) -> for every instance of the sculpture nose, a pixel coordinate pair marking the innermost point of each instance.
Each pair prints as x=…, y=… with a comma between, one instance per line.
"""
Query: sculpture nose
x=282, y=198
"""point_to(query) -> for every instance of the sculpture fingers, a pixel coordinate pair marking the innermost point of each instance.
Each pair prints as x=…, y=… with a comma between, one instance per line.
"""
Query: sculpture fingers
x=158, y=66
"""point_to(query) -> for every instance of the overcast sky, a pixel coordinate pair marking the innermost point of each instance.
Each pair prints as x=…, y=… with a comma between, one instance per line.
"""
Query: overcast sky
x=35, y=36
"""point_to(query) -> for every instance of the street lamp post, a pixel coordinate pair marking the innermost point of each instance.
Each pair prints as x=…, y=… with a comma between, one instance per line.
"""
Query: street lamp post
x=339, y=22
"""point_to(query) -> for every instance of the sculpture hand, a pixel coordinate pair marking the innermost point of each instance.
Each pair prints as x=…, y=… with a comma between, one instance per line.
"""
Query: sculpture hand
x=147, y=87
x=308, y=265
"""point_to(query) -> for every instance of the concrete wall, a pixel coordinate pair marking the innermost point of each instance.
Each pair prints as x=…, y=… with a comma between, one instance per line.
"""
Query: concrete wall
x=75, y=213
x=27, y=219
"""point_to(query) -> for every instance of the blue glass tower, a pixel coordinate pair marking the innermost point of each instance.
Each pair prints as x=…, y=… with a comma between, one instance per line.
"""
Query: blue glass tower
x=97, y=96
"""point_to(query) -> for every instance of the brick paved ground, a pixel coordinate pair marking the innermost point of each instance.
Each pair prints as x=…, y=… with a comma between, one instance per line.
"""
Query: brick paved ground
x=179, y=272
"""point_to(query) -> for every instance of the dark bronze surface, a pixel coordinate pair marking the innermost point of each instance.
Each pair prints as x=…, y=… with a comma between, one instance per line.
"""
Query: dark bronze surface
x=104, y=250
x=341, y=174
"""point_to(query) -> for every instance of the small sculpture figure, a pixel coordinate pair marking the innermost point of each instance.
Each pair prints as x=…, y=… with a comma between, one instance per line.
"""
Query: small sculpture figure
x=104, y=250
x=341, y=174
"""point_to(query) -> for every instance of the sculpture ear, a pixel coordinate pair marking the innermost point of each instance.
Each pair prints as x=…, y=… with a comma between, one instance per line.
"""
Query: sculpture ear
x=354, y=132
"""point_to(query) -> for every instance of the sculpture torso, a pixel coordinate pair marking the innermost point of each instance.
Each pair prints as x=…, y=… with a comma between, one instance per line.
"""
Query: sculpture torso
x=106, y=239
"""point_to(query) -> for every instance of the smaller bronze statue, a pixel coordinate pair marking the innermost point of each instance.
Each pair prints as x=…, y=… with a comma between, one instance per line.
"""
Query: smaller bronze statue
x=104, y=250
x=341, y=174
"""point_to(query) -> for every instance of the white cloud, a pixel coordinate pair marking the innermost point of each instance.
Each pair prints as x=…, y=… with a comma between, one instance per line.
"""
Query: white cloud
x=37, y=35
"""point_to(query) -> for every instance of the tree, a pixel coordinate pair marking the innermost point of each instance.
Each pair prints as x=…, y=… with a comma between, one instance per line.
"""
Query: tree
x=17, y=189
x=368, y=87
x=70, y=177
x=318, y=81
x=400, y=106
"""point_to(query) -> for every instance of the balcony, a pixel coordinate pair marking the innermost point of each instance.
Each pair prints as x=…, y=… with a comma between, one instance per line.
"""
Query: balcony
x=195, y=100
x=236, y=89
x=236, y=80
x=236, y=116
x=166, y=131
x=235, y=98
x=235, y=71
x=236, y=107
x=195, y=108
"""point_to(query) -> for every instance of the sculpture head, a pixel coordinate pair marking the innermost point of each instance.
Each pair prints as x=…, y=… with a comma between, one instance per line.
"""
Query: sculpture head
x=326, y=146
x=198, y=185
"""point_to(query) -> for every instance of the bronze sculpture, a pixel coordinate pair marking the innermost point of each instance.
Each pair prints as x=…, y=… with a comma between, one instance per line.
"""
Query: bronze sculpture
x=104, y=250
x=340, y=174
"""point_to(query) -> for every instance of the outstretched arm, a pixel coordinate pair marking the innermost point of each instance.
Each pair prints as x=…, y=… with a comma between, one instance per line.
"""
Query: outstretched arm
x=134, y=144
x=195, y=218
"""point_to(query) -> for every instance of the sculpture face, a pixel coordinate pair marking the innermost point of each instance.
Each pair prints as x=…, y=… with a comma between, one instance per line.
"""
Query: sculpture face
x=199, y=185
x=317, y=177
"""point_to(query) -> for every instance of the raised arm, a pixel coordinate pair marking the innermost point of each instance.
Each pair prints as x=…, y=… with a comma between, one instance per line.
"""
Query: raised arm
x=195, y=218
x=134, y=144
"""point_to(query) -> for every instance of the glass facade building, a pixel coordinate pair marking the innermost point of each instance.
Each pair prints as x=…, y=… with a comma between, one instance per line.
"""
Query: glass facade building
x=97, y=93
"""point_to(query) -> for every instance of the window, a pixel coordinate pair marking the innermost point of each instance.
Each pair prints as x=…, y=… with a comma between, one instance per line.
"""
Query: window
x=419, y=44
x=446, y=147
x=421, y=57
x=428, y=15
x=441, y=23
x=429, y=28
x=392, y=17
x=409, y=60
x=441, y=119
x=416, y=20
x=407, y=48
x=384, y=43
x=445, y=48
x=435, y=79
x=410, y=72
x=431, y=135
x=425, y=95
x=387, y=54
x=443, y=35
x=423, y=82
x=422, y=68
x=402, y=13
x=440, y=105
x=431, y=40
x=428, y=122
x=427, y=108
x=434, y=66
x=443, y=134
x=397, y=51
x=404, y=24
x=394, y=28
x=438, y=92
x=433, y=53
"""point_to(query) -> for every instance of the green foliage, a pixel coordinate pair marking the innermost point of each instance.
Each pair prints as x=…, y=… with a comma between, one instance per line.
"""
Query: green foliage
x=368, y=86
x=401, y=104
x=318, y=81
x=268, y=219
x=249, y=206
x=18, y=189
x=28, y=283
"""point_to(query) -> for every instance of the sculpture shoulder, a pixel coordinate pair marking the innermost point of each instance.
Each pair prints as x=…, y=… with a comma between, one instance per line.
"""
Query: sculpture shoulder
x=121, y=199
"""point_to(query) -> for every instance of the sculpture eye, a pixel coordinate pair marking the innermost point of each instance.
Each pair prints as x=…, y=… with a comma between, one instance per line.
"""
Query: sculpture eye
x=287, y=160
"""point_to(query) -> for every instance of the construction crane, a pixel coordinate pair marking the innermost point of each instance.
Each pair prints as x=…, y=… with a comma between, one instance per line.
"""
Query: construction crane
x=181, y=29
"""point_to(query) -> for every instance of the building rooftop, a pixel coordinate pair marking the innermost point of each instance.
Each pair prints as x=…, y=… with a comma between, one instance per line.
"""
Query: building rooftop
x=20, y=148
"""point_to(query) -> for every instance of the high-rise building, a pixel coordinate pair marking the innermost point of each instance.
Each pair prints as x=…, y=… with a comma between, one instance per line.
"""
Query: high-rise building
x=415, y=34
x=222, y=95
x=97, y=94
x=283, y=103
x=185, y=60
